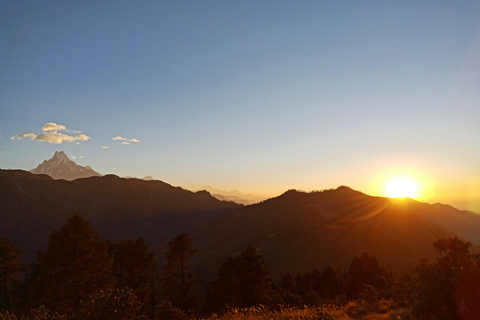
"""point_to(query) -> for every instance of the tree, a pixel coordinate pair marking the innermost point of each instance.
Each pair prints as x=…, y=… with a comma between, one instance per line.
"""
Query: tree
x=134, y=266
x=364, y=271
x=177, y=278
x=328, y=283
x=243, y=281
x=331, y=282
x=449, y=287
x=11, y=265
x=288, y=283
x=74, y=266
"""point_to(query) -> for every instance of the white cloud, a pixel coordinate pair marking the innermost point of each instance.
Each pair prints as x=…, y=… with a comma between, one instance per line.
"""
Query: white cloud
x=58, y=138
x=105, y=147
x=125, y=140
x=119, y=138
x=51, y=126
x=25, y=135
x=51, y=135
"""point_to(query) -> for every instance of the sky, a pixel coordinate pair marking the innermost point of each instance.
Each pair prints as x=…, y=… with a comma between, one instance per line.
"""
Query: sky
x=258, y=96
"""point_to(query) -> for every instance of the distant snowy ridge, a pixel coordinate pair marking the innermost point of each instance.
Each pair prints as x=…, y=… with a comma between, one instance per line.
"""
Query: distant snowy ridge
x=234, y=195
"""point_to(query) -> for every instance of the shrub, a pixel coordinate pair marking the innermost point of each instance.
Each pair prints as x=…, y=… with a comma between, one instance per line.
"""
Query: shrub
x=312, y=299
x=166, y=311
x=113, y=304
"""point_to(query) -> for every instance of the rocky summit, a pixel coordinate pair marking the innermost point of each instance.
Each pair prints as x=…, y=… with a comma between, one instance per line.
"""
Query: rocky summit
x=61, y=167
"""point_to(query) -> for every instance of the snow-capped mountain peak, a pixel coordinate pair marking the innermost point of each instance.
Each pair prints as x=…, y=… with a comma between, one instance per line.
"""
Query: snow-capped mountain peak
x=61, y=167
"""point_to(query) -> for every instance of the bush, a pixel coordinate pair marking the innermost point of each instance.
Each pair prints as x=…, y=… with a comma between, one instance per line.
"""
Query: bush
x=113, y=304
x=7, y=316
x=166, y=311
x=312, y=299
x=382, y=306
x=356, y=309
x=369, y=294
x=291, y=299
x=40, y=313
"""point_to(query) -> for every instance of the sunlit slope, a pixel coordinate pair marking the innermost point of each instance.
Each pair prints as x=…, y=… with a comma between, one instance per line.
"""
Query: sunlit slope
x=299, y=231
x=462, y=222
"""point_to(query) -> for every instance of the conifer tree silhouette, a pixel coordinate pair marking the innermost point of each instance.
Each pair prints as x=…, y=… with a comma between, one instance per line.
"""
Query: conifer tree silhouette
x=74, y=266
x=178, y=279
x=11, y=265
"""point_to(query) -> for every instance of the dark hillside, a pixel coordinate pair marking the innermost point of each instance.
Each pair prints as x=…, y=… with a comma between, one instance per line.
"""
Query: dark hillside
x=32, y=206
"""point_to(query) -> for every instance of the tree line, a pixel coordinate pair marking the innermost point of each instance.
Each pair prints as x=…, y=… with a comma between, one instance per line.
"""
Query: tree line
x=80, y=277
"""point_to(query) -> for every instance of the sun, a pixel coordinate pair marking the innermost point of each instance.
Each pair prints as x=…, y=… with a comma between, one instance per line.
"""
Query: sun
x=402, y=187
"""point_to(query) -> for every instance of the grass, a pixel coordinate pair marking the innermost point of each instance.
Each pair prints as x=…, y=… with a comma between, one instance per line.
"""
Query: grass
x=307, y=313
x=283, y=313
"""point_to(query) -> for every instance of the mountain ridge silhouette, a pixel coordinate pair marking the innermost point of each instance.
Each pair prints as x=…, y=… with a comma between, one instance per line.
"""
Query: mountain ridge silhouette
x=295, y=231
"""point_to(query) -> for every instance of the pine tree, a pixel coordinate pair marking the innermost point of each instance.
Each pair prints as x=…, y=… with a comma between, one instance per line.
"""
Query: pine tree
x=364, y=271
x=331, y=282
x=177, y=278
x=288, y=283
x=243, y=281
x=74, y=266
x=11, y=265
x=134, y=266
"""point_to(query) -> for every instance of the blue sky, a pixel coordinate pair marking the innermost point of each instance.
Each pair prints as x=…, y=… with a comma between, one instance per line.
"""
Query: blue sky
x=260, y=96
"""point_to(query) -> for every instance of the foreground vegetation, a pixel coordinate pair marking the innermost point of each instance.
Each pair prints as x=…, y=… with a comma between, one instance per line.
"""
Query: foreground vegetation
x=328, y=312
x=80, y=277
